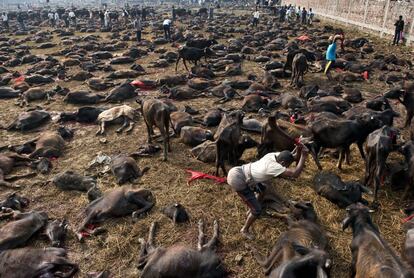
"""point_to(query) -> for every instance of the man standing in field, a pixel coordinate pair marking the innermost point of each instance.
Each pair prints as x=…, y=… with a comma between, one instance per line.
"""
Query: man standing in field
x=399, y=28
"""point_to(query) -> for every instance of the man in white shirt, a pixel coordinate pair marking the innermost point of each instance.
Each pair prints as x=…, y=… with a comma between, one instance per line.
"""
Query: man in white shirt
x=56, y=15
x=256, y=16
x=247, y=179
x=51, y=17
x=72, y=17
x=5, y=19
x=167, y=28
x=107, y=19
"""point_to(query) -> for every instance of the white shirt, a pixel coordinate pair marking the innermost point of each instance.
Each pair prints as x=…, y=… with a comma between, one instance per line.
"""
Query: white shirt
x=256, y=14
x=4, y=17
x=265, y=169
x=71, y=14
x=56, y=16
x=166, y=22
x=50, y=15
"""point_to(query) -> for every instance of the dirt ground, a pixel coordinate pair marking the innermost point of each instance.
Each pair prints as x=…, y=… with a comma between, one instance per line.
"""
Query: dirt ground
x=117, y=250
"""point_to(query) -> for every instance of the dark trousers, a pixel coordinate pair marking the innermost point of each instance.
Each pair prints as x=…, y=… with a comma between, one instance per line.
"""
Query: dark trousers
x=249, y=198
x=21, y=23
x=167, y=32
x=255, y=21
x=138, y=36
x=6, y=24
x=397, y=37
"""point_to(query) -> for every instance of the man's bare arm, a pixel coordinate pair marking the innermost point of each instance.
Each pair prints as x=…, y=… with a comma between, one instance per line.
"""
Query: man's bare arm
x=294, y=173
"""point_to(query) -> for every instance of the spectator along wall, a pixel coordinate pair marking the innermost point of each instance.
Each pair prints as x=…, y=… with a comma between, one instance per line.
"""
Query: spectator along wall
x=376, y=15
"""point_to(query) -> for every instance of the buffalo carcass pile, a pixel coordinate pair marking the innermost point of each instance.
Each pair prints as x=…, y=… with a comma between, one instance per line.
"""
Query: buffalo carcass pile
x=99, y=134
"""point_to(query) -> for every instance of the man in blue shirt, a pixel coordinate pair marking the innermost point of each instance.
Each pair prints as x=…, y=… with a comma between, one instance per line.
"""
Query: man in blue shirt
x=331, y=56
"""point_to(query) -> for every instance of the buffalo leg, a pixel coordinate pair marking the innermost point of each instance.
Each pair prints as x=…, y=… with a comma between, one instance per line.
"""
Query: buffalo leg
x=218, y=156
x=315, y=155
x=212, y=243
x=140, y=202
x=124, y=125
x=166, y=148
x=149, y=130
x=151, y=236
x=101, y=129
x=369, y=168
x=200, y=235
x=348, y=156
x=85, y=222
x=410, y=114
x=406, y=190
x=131, y=126
x=340, y=159
x=185, y=64
x=64, y=262
x=176, y=63
x=361, y=149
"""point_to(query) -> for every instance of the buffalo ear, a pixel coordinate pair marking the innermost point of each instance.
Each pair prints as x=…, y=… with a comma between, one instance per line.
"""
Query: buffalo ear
x=346, y=222
x=301, y=250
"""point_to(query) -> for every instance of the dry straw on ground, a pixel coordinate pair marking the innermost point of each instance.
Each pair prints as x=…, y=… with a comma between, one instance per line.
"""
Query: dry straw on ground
x=117, y=250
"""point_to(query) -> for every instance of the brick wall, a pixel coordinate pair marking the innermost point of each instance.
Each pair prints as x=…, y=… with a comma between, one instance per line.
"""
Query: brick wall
x=377, y=15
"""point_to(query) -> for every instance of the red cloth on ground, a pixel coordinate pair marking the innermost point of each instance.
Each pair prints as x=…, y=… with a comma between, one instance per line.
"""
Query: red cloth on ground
x=199, y=175
x=141, y=85
x=19, y=79
x=304, y=38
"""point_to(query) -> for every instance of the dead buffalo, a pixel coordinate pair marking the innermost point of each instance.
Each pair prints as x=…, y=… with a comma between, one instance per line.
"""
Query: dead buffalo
x=14, y=202
x=254, y=102
x=117, y=203
x=300, y=251
x=34, y=94
x=83, y=97
x=179, y=119
x=82, y=115
x=122, y=92
x=7, y=162
x=193, y=136
x=36, y=262
x=98, y=84
x=49, y=144
x=16, y=233
x=179, y=260
x=125, y=169
x=70, y=180
x=29, y=120
x=122, y=112
x=176, y=212
x=342, y=194
x=8, y=92
x=56, y=232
